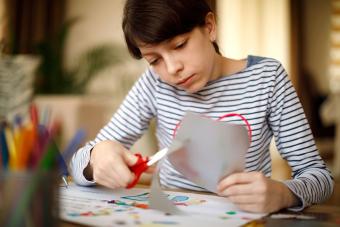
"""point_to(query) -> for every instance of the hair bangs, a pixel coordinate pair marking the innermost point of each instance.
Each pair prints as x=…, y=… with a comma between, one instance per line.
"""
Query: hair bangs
x=146, y=23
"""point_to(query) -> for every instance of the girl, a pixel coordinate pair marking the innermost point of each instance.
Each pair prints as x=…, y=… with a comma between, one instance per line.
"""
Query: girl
x=187, y=73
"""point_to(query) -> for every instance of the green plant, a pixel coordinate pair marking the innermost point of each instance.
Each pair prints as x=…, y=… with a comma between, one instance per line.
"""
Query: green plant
x=53, y=78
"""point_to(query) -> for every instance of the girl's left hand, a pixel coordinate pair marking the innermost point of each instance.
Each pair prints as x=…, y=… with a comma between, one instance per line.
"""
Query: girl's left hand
x=254, y=192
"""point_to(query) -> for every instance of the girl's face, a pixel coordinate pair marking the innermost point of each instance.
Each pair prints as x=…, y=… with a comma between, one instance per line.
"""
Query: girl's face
x=187, y=61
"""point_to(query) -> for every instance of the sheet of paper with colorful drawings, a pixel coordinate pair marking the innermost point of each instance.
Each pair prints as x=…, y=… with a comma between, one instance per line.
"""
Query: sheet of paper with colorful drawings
x=103, y=207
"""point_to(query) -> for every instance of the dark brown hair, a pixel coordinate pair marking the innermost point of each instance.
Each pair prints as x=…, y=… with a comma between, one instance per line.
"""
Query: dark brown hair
x=154, y=21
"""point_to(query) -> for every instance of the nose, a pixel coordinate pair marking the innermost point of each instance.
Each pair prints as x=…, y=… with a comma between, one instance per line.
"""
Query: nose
x=173, y=64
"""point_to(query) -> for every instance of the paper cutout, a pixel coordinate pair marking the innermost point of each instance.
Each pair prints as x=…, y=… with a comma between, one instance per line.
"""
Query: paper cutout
x=212, y=150
x=189, y=154
x=158, y=200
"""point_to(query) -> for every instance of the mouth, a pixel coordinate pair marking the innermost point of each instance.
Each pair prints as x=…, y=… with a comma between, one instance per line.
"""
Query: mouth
x=186, y=80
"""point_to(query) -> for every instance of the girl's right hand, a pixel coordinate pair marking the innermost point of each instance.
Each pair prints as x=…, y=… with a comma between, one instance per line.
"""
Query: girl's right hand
x=109, y=164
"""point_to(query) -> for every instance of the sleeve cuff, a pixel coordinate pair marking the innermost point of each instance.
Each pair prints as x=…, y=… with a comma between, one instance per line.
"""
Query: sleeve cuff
x=79, y=162
x=293, y=186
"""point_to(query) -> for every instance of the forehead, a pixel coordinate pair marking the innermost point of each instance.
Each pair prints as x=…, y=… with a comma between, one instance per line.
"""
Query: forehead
x=149, y=46
x=145, y=48
x=150, y=49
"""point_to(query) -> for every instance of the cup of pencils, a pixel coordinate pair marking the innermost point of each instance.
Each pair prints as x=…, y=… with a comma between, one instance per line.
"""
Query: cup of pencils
x=30, y=172
x=28, y=199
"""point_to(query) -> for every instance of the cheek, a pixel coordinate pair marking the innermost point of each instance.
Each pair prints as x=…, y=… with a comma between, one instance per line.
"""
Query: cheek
x=198, y=58
x=206, y=61
x=165, y=77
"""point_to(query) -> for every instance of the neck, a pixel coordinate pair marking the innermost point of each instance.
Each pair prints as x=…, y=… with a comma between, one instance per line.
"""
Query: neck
x=227, y=66
x=218, y=67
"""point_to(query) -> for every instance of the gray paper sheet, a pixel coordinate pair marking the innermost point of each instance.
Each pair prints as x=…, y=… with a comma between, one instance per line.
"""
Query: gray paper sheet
x=204, y=151
x=213, y=150
x=159, y=200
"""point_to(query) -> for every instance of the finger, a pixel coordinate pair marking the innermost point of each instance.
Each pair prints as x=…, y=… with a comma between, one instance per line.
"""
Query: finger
x=124, y=174
x=108, y=184
x=120, y=171
x=121, y=179
x=245, y=199
x=129, y=158
x=238, y=189
x=117, y=180
x=109, y=175
x=253, y=208
x=151, y=169
x=106, y=180
x=238, y=178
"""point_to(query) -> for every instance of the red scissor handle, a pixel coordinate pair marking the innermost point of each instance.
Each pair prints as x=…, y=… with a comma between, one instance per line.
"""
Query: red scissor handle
x=138, y=168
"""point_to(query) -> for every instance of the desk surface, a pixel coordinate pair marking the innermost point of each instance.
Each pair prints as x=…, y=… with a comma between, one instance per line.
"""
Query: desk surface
x=324, y=216
x=317, y=215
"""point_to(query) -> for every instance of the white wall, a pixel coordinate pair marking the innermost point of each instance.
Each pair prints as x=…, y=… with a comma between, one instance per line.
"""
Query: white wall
x=100, y=22
x=257, y=27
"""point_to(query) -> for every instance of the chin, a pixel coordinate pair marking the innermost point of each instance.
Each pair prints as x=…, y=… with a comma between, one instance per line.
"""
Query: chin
x=194, y=90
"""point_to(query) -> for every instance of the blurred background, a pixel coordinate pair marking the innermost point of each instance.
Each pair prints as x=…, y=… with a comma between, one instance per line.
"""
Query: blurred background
x=72, y=60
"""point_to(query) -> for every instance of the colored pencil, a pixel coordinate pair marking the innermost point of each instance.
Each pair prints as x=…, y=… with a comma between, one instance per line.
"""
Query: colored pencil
x=11, y=148
x=4, y=148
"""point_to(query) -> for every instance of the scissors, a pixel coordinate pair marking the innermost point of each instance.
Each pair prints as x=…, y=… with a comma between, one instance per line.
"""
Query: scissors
x=143, y=164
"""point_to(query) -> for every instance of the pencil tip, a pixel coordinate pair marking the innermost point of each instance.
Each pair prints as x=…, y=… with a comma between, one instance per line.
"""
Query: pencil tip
x=65, y=181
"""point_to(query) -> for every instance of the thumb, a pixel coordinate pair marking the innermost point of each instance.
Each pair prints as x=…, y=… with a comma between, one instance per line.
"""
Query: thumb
x=129, y=158
x=151, y=169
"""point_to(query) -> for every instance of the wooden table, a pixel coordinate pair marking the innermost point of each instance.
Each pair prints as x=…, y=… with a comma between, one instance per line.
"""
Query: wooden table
x=320, y=215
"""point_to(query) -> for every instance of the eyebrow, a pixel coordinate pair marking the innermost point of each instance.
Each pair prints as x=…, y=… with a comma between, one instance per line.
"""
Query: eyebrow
x=146, y=46
x=147, y=54
x=168, y=41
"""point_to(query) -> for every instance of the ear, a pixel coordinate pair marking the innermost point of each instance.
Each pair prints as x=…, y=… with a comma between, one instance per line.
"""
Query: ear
x=210, y=26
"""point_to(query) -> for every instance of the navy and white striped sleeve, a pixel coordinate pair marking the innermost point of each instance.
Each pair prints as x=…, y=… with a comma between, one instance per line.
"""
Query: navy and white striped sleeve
x=311, y=180
x=126, y=126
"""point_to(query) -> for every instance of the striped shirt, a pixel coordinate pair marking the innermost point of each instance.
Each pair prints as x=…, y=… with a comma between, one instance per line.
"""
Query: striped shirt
x=262, y=93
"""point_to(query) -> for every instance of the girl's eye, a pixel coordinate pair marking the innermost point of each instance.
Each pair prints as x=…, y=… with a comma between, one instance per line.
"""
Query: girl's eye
x=180, y=45
x=154, y=62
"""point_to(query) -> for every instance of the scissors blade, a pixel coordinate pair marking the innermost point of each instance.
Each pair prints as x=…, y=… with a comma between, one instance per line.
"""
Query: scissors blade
x=175, y=146
x=158, y=156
